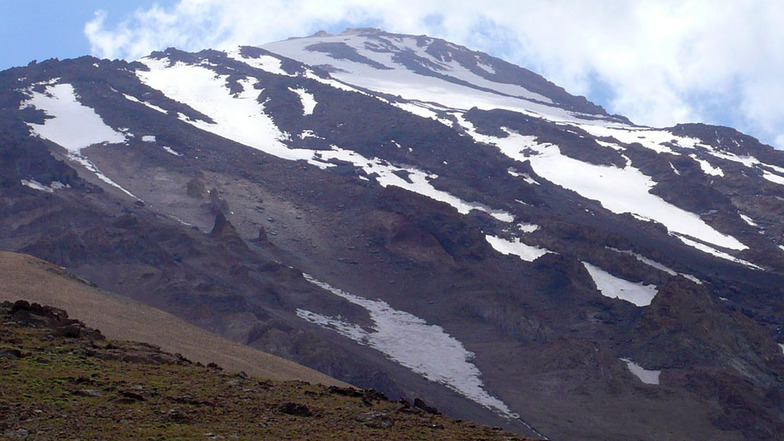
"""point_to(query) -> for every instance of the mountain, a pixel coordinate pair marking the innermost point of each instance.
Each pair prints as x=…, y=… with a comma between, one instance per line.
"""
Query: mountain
x=409, y=215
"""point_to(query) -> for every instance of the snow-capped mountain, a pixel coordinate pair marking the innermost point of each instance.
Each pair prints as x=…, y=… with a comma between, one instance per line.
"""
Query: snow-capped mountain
x=407, y=214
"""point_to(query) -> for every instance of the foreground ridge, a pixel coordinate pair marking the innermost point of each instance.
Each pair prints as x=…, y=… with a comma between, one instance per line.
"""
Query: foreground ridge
x=65, y=380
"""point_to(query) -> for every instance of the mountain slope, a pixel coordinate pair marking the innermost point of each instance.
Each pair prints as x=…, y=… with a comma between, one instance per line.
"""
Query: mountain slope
x=406, y=214
x=27, y=278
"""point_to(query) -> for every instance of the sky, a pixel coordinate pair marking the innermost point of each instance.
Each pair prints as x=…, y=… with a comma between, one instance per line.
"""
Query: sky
x=658, y=62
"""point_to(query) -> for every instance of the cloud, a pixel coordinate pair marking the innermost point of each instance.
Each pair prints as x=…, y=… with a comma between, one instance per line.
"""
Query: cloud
x=658, y=62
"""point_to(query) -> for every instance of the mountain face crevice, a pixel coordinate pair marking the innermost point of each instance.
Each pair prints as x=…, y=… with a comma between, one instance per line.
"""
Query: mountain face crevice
x=410, y=215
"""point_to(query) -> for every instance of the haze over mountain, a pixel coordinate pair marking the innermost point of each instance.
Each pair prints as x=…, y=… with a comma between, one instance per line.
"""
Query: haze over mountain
x=403, y=213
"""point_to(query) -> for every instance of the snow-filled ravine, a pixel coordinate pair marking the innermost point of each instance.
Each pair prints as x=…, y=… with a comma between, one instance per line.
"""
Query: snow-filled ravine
x=410, y=341
x=617, y=288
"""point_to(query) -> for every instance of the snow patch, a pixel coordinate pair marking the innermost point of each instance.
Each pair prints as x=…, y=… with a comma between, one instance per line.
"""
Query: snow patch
x=617, y=288
x=86, y=163
x=35, y=185
x=654, y=264
x=527, y=228
x=646, y=376
x=516, y=248
x=710, y=250
x=148, y=138
x=73, y=125
x=267, y=63
x=772, y=177
x=151, y=106
x=748, y=220
x=171, y=151
x=307, y=99
x=706, y=166
x=412, y=342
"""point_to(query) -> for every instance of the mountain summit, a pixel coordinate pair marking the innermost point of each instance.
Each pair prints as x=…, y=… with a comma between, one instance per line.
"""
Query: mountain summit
x=409, y=215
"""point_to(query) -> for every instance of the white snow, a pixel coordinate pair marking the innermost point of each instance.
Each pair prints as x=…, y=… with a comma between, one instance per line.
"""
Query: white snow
x=307, y=99
x=309, y=134
x=148, y=138
x=706, y=166
x=171, y=151
x=646, y=376
x=515, y=247
x=773, y=177
x=91, y=167
x=748, y=220
x=617, y=288
x=412, y=342
x=706, y=249
x=418, y=110
x=264, y=62
x=659, y=266
x=35, y=185
x=151, y=106
x=527, y=228
x=620, y=190
x=782, y=347
x=74, y=126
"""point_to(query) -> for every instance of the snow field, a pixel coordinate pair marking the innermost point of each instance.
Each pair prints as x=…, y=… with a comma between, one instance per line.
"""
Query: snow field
x=412, y=343
x=515, y=247
x=646, y=376
x=617, y=288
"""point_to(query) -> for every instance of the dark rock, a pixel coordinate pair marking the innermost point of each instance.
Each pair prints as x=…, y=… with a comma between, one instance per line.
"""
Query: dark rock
x=10, y=354
x=420, y=404
x=376, y=420
x=345, y=391
x=296, y=409
x=89, y=393
x=176, y=415
x=17, y=435
x=195, y=188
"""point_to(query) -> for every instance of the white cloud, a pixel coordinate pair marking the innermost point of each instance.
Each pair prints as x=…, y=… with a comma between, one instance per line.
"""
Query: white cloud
x=662, y=61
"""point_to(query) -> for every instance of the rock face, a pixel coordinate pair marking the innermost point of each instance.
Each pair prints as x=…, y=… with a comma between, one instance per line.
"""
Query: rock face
x=409, y=215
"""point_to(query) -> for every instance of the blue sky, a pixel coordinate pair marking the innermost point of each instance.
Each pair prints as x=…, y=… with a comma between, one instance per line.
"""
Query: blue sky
x=658, y=62
x=41, y=29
